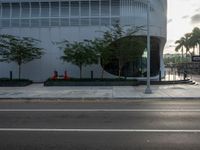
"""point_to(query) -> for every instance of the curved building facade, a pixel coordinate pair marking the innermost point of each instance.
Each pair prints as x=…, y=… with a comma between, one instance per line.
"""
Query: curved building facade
x=75, y=20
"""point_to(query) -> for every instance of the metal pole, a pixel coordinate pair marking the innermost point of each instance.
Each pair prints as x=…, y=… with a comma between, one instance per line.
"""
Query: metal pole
x=148, y=89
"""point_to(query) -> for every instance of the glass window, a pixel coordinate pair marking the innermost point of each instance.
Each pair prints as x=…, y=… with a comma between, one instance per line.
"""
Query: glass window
x=44, y=9
x=115, y=7
x=74, y=22
x=15, y=10
x=64, y=22
x=54, y=22
x=84, y=8
x=15, y=22
x=85, y=22
x=94, y=8
x=44, y=22
x=24, y=22
x=5, y=10
x=0, y=10
x=115, y=20
x=105, y=8
x=5, y=22
x=25, y=10
x=35, y=9
x=94, y=21
x=105, y=21
x=54, y=9
x=75, y=8
x=35, y=22
x=64, y=9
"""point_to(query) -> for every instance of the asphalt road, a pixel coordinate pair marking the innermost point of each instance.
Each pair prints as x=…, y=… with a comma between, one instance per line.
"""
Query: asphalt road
x=100, y=125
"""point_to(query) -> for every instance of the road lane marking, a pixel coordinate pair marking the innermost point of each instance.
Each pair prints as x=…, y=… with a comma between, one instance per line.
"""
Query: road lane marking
x=97, y=130
x=99, y=110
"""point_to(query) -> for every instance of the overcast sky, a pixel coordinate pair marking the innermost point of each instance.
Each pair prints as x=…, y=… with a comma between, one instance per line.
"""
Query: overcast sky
x=183, y=16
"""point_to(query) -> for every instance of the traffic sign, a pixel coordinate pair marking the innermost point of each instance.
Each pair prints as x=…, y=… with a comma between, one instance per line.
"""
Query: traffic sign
x=196, y=58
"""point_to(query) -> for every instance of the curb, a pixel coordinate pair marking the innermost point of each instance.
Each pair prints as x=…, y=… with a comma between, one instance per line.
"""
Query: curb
x=83, y=99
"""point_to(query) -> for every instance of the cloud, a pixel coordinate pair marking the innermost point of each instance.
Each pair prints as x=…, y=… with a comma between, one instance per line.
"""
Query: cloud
x=170, y=20
x=195, y=19
x=185, y=17
x=170, y=44
x=197, y=10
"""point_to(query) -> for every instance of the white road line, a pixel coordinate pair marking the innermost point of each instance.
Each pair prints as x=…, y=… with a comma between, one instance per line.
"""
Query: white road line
x=97, y=130
x=99, y=110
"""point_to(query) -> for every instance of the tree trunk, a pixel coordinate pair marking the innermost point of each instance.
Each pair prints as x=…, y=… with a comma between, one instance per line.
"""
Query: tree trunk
x=102, y=73
x=193, y=50
x=119, y=70
x=80, y=68
x=182, y=54
x=19, y=67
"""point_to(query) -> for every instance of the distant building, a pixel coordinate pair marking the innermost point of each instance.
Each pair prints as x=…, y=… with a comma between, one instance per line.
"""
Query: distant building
x=75, y=20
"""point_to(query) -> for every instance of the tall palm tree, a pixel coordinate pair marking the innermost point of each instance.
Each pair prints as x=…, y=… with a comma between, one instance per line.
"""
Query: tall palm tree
x=188, y=43
x=192, y=44
x=196, y=37
x=181, y=43
x=184, y=42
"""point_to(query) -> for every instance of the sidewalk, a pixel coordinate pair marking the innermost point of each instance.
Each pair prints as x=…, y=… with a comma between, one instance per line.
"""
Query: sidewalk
x=38, y=91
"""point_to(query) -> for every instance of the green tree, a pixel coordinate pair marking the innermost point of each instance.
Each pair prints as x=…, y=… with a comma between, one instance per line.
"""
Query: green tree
x=123, y=45
x=196, y=37
x=19, y=50
x=79, y=53
x=182, y=43
x=126, y=50
x=103, y=51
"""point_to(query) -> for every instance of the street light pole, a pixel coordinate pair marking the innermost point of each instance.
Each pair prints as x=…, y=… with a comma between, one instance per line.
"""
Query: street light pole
x=148, y=89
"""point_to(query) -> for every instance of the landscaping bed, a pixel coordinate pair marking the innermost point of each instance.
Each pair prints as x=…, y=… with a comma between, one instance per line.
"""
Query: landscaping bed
x=4, y=82
x=187, y=81
x=91, y=82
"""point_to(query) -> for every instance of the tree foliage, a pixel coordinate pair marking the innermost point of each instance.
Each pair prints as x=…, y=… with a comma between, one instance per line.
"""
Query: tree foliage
x=121, y=44
x=19, y=50
x=188, y=41
x=79, y=53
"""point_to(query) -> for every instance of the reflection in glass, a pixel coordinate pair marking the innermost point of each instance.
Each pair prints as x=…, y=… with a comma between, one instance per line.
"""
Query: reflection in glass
x=54, y=22
x=5, y=22
x=74, y=8
x=35, y=22
x=94, y=21
x=115, y=7
x=54, y=9
x=44, y=22
x=15, y=10
x=64, y=22
x=15, y=22
x=64, y=9
x=6, y=10
x=74, y=22
x=84, y=22
x=84, y=8
x=25, y=10
x=25, y=22
x=44, y=9
x=35, y=9
x=94, y=8
x=105, y=8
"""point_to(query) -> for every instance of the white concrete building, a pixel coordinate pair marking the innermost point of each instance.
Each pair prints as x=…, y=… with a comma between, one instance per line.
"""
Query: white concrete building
x=76, y=20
